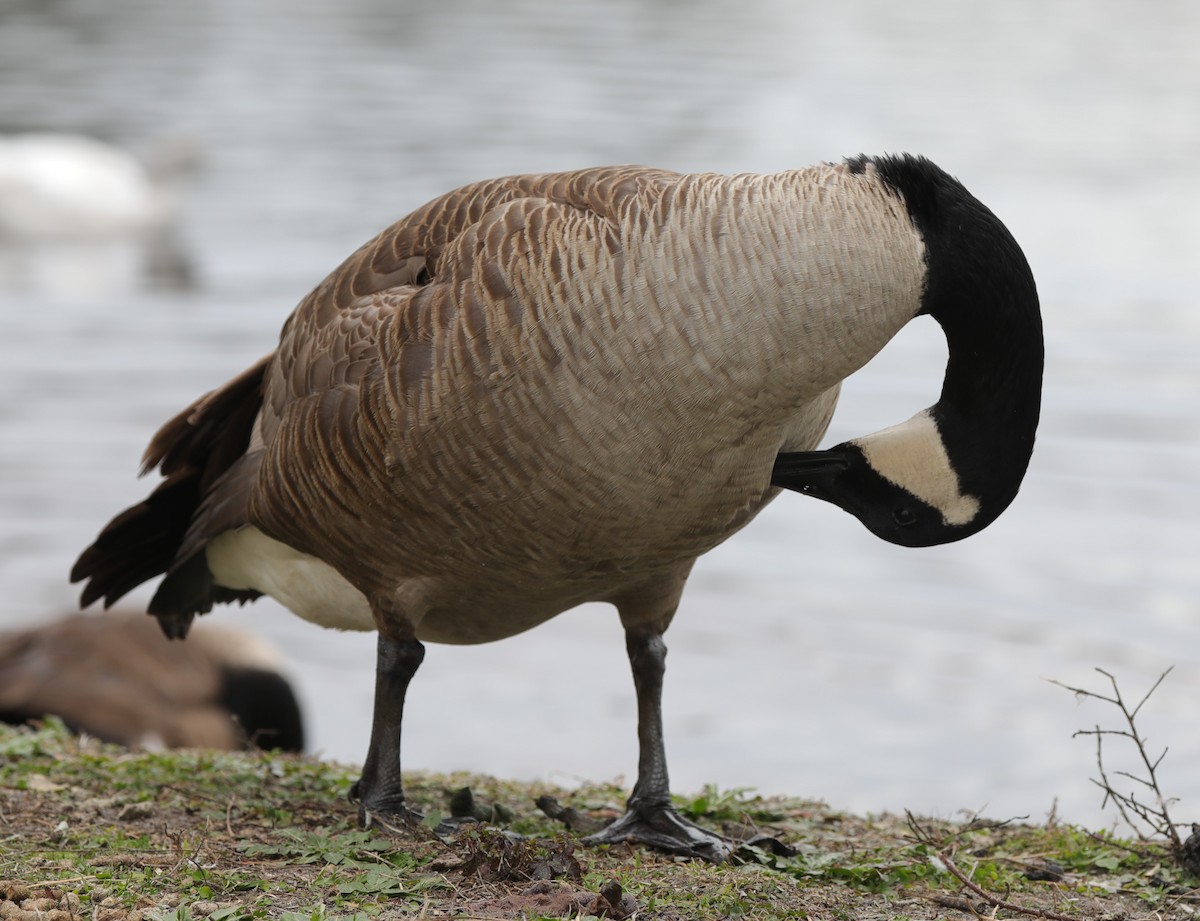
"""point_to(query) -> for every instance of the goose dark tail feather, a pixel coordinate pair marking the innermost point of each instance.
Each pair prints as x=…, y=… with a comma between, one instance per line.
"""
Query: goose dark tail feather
x=138, y=544
x=192, y=451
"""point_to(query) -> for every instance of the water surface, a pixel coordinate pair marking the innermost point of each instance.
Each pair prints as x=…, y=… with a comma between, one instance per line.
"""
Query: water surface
x=807, y=656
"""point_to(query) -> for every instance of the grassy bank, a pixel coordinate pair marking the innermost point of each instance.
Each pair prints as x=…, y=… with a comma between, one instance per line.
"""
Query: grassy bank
x=90, y=831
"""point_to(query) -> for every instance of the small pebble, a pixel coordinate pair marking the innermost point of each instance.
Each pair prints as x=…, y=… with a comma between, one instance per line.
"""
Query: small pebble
x=135, y=811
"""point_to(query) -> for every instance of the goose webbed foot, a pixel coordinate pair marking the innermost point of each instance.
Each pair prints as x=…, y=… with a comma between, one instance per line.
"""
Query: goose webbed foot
x=663, y=828
x=393, y=819
x=384, y=809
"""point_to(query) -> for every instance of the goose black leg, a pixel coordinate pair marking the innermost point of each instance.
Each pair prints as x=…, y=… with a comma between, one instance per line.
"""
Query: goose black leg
x=649, y=817
x=379, y=792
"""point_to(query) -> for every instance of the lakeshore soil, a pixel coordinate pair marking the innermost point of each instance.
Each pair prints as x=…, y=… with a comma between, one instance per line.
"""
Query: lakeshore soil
x=93, y=831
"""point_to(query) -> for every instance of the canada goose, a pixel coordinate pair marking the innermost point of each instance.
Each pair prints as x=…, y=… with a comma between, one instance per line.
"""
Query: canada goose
x=543, y=390
x=116, y=678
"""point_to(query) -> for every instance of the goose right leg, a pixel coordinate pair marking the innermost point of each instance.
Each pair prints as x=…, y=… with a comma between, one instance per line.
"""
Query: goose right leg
x=379, y=792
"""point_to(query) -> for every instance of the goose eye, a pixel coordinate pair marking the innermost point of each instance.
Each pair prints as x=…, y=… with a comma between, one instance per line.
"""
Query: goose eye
x=904, y=517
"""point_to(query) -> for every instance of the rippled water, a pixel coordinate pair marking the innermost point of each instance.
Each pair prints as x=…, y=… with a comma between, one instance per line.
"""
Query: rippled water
x=807, y=657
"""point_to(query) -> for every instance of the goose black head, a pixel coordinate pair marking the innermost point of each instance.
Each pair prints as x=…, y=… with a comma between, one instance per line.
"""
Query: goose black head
x=900, y=483
x=952, y=469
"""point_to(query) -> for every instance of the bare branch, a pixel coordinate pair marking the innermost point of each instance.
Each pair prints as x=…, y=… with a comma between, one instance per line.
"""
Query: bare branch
x=1135, y=779
x=1136, y=814
x=1149, y=692
x=1103, y=732
x=1083, y=692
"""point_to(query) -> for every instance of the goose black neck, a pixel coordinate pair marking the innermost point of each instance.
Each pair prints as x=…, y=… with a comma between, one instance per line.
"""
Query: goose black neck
x=981, y=291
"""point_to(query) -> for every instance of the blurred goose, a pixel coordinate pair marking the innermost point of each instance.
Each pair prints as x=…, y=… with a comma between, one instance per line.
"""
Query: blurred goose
x=543, y=390
x=116, y=678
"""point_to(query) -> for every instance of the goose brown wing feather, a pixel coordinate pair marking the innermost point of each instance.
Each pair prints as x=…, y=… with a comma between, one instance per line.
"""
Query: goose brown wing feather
x=363, y=371
x=329, y=339
x=332, y=340
x=370, y=353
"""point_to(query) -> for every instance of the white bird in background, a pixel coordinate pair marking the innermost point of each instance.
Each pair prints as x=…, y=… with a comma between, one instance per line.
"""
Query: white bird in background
x=80, y=215
x=544, y=390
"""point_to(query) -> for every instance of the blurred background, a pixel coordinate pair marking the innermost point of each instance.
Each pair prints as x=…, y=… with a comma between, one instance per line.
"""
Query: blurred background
x=807, y=658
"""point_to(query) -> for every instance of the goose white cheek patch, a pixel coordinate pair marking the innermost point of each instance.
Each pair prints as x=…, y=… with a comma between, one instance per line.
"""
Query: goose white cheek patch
x=912, y=456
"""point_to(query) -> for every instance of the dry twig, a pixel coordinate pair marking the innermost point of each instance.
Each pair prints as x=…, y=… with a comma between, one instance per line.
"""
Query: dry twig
x=1136, y=813
x=927, y=837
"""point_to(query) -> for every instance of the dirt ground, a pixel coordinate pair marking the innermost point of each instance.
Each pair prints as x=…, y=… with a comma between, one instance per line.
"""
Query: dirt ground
x=89, y=831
